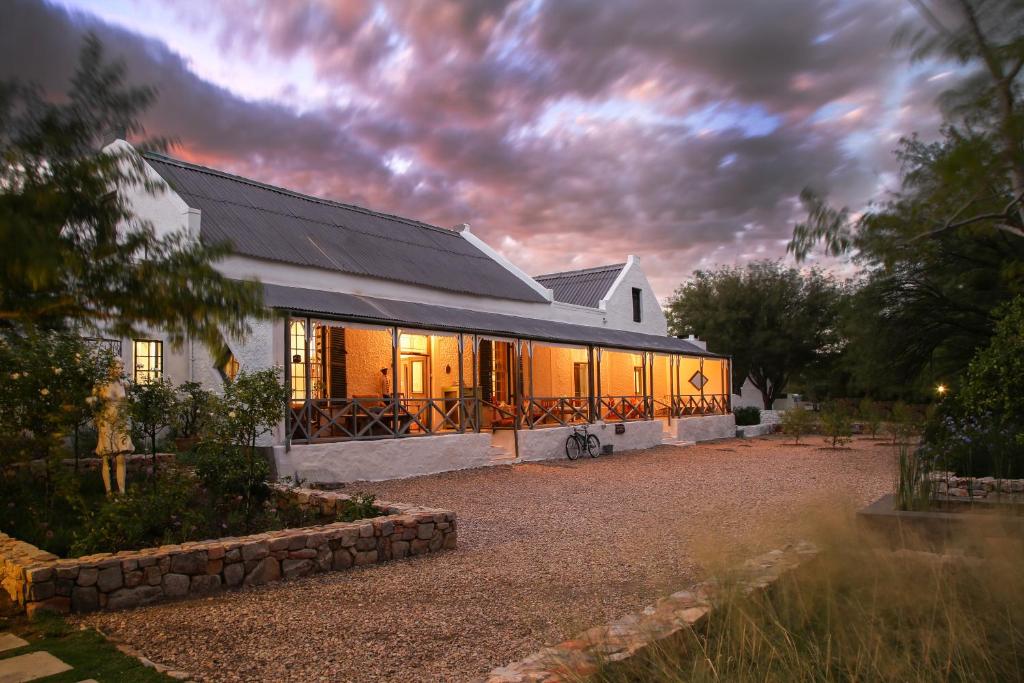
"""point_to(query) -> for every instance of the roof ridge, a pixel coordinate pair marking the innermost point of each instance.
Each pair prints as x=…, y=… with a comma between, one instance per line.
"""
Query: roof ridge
x=299, y=195
x=582, y=271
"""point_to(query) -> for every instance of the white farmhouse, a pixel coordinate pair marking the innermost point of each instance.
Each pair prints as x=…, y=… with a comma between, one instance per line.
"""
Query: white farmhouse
x=411, y=349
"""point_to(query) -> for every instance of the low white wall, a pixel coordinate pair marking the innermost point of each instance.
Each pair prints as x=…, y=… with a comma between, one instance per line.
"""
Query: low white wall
x=549, y=443
x=706, y=427
x=749, y=431
x=381, y=459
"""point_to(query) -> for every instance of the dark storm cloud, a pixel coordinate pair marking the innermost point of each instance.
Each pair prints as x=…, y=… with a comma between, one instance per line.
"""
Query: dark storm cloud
x=560, y=129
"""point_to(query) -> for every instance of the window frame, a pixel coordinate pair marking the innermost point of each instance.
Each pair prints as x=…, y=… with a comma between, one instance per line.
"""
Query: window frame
x=637, y=295
x=148, y=374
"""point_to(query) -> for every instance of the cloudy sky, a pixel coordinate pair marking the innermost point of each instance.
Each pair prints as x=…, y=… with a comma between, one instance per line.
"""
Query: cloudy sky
x=568, y=133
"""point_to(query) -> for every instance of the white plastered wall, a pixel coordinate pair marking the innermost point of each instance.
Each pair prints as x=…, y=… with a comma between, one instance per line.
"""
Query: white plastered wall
x=618, y=304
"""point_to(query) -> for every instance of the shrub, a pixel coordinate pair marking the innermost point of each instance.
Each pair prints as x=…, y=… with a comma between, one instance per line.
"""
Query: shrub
x=144, y=516
x=871, y=415
x=151, y=406
x=796, y=422
x=252, y=405
x=192, y=409
x=835, y=424
x=980, y=430
x=749, y=415
x=46, y=386
x=903, y=423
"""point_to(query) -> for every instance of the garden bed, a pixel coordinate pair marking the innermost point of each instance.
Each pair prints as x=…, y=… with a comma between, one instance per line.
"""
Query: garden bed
x=952, y=523
x=39, y=580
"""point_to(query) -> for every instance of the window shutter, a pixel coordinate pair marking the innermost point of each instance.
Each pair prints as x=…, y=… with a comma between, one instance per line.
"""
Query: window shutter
x=338, y=375
x=485, y=363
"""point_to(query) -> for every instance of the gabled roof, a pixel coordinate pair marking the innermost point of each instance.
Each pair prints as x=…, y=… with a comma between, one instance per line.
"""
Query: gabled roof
x=582, y=287
x=274, y=223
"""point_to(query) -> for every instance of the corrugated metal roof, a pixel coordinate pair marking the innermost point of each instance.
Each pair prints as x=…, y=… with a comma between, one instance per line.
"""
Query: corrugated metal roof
x=405, y=313
x=582, y=287
x=269, y=222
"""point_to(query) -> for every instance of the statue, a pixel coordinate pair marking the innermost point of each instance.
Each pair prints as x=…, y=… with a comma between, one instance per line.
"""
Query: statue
x=112, y=428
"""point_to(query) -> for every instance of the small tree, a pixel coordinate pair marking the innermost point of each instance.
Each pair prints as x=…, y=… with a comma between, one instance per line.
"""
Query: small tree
x=193, y=407
x=152, y=407
x=835, y=423
x=902, y=423
x=252, y=405
x=796, y=422
x=870, y=415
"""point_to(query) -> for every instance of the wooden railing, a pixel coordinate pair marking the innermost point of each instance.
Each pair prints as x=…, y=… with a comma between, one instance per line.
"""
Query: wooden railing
x=624, y=408
x=381, y=418
x=542, y=411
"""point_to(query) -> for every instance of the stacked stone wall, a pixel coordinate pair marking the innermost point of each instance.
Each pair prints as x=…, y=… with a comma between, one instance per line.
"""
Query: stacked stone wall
x=38, y=580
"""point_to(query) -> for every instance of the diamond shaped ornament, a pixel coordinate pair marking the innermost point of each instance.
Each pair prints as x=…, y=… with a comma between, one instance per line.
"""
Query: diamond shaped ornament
x=698, y=380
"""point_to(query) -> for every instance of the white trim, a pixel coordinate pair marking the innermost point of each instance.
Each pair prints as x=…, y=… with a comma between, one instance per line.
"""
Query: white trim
x=630, y=261
x=468, y=235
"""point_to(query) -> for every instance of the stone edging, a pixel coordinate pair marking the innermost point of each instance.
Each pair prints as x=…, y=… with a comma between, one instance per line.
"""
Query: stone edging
x=949, y=484
x=38, y=580
x=581, y=656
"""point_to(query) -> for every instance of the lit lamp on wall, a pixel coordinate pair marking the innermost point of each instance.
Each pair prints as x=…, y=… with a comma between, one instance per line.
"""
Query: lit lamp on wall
x=941, y=389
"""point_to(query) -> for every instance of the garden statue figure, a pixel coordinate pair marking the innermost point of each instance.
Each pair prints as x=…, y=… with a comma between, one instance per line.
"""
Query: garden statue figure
x=112, y=429
x=385, y=384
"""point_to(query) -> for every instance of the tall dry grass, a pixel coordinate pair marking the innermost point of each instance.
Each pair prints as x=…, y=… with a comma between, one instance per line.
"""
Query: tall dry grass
x=857, y=613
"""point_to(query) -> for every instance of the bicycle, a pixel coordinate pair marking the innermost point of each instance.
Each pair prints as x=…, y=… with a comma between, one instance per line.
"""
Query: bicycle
x=579, y=441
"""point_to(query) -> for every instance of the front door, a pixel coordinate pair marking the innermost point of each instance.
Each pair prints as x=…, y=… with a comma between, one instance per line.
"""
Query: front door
x=414, y=387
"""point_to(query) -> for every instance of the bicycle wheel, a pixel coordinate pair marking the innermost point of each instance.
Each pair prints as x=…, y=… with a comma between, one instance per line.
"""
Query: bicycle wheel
x=572, y=447
x=593, y=445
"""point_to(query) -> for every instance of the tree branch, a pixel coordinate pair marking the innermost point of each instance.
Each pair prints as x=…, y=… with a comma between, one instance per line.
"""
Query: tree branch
x=1003, y=215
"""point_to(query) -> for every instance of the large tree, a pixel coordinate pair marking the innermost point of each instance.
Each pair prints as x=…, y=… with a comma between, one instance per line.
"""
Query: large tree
x=775, y=322
x=72, y=253
x=940, y=255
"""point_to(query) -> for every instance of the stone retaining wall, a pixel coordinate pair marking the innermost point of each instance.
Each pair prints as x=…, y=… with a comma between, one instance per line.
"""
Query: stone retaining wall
x=948, y=484
x=578, y=658
x=38, y=580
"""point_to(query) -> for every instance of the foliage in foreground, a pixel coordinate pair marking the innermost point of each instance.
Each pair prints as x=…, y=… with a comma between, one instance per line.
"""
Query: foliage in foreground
x=856, y=614
x=72, y=253
x=796, y=422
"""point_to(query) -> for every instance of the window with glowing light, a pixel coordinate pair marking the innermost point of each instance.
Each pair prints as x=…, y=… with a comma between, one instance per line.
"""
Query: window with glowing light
x=297, y=335
x=148, y=358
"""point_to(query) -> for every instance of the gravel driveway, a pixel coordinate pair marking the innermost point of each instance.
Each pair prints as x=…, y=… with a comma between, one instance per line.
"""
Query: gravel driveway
x=545, y=550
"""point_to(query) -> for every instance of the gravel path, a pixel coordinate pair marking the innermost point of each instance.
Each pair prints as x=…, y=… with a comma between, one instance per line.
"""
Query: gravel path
x=545, y=550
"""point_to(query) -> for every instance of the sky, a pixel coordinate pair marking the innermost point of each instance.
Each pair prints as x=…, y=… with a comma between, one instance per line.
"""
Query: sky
x=567, y=133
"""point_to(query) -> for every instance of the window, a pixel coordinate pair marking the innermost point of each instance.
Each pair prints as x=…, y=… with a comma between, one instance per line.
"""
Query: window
x=297, y=335
x=637, y=300
x=413, y=343
x=581, y=379
x=229, y=371
x=148, y=356
x=638, y=380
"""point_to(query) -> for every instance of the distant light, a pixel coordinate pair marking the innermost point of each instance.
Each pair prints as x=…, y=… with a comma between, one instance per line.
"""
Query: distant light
x=941, y=389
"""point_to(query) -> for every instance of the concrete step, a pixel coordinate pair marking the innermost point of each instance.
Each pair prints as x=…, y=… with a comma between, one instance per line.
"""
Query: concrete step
x=678, y=443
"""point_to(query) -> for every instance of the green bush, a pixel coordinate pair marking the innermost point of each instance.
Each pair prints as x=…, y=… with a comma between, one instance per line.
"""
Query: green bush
x=152, y=406
x=871, y=415
x=749, y=415
x=165, y=512
x=46, y=385
x=835, y=424
x=796, y=422
x=192, y=409
x=979, y=431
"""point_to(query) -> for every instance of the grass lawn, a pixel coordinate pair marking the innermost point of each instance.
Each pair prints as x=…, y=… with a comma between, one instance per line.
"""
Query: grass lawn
x=89, y=653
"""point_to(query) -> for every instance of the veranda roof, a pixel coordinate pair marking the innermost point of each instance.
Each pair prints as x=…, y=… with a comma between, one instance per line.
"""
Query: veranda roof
x=366, y=309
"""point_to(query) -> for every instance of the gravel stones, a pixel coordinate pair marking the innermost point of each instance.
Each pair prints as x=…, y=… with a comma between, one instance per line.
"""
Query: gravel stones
x=546, y=551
